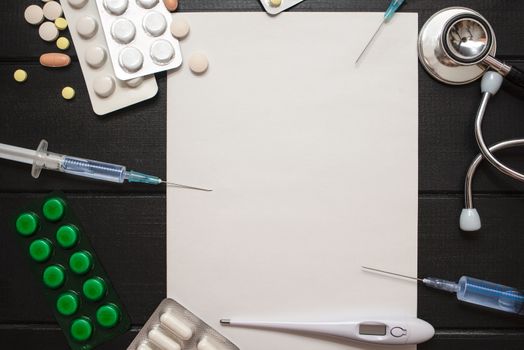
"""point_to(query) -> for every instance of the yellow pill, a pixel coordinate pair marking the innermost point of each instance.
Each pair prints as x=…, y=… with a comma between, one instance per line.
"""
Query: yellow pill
x=68, y=93
x=61, y=23
x=62, y=43
x=275, y=3
x=20, y=75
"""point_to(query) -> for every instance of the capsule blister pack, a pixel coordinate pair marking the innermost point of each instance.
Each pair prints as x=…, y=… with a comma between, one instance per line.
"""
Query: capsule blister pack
x=173, y=327
x=107, y=93
x=77, y=288
x=138, y=36
x=274, y=7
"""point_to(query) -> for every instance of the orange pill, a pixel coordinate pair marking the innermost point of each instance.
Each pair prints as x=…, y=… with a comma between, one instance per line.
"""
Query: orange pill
x=55, y=60
x=171, y=5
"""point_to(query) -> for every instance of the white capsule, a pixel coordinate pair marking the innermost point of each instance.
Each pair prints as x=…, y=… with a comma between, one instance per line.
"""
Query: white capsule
x=162, y=340
x=206, y=344
x=176, y=325
x=144, y=346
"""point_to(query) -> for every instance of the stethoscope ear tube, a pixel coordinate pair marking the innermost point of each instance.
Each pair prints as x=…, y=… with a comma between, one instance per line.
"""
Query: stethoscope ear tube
x=516, y=76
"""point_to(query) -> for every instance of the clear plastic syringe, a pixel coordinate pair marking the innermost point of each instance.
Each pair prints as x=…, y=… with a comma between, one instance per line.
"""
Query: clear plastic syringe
x=42, y=159
x=474, y=291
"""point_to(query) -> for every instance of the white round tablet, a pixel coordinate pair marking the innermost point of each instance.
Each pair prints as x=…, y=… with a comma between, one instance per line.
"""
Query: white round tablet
x=87, y=27
x=116, y=7
x=154, y=23
x=95, y=56
x=131, y=59
x=104, y=86
x=52, y=10
x=123, y=31
x=147, y=4
x=134, y=83
x=33, y=14
x=162, y=52
x=198, y=63
x=48, y=31
x=77, y=4
x=179, y=28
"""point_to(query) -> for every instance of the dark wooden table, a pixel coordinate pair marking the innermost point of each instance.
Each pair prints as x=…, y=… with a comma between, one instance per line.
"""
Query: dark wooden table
x=127, y=223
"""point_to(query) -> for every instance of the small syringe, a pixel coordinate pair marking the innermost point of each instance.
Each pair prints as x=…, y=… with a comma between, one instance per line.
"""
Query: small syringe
x=42, y=159
x=474, y=291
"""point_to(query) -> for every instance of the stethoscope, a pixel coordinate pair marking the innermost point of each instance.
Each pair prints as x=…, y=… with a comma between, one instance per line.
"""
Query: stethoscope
x=457, y=46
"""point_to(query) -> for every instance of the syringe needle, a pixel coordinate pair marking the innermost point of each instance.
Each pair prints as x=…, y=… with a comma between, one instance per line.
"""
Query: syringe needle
x=185, y=187
x=369, y=42
x=392, y=273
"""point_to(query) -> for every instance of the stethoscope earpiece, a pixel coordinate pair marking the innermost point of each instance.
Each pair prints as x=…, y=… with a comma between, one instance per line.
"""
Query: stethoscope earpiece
x=491, y=82
x=470, y=220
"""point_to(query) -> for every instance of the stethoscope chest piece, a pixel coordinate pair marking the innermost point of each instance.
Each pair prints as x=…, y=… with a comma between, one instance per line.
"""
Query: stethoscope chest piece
x=452, y=44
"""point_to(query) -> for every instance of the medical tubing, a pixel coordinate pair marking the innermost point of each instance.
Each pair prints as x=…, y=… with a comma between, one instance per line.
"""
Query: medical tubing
x=516, y=76
x=94, y=169
x=482, y=144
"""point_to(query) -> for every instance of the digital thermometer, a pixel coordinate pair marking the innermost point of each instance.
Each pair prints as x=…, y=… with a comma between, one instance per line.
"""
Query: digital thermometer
x=400, y=331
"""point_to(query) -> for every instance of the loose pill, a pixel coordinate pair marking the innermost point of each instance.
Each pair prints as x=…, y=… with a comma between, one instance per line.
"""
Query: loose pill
x=116, y=7
x=154, y=23
x=171, y=5
x=104, y=86
x=147, y=4
x=20, y=75
x=176, y=325
x=48, y=31
x=123, y=31
x=87, y=27
x=198, y=63
x=179, y=28
x=95, y=56
x=62, y=43
x=131, y=59
x=162, y=340
x=52, y=10
x=61, y=23
x=162, y=52
x=275, y=3
x=68, y=93
x=34, y=14
x=55, y=60
x=78, y=4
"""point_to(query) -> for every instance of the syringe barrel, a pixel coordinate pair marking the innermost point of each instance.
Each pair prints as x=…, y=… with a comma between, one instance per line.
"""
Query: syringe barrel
x=491, y=295
x=94, y=169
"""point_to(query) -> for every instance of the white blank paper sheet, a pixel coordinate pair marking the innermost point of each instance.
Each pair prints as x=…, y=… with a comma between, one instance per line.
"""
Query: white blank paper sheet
x=313, y=166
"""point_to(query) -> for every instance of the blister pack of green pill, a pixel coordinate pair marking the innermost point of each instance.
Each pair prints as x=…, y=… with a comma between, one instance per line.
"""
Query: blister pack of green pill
x=85, y=304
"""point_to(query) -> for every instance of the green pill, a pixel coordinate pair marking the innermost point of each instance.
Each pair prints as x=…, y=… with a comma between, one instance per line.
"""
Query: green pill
x=27, y=224
x=94, y=288
x=81, y=329
x=53, y=209
x=40, y=250
x=67, y=303
x=54, y=276
x=108, y=315
x=67, y=236
x=81, y=262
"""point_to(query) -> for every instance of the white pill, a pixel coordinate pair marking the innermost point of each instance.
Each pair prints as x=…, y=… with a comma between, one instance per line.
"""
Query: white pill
x=96, y=56
x=52, y=10
x=33, y=14
x=131, y=59
x=87, y=27
x=154, y=23
x=48, y=31
x=123, y=31
x=147, y=4
x=134, y=83
x=104, y=86
x=198, y=63
x=162, y=52
x=206, y=344
x=116, y=7
x=162, y=340
x=179, y=28
x=77, y=4
x=144, y=346
x=176, y=325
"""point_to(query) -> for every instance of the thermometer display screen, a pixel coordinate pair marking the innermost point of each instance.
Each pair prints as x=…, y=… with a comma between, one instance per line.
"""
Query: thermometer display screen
x=372, y=329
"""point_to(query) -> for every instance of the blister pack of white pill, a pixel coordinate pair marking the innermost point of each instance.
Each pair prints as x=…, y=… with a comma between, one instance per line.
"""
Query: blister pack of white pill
x=107, y=93
x=173, y=327
x=138, y=37
x=274, y=7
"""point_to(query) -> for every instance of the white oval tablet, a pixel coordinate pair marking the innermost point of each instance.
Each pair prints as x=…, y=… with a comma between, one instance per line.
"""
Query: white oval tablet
x=116, y=7
x=95, y=56
x=104, y=86
x=162, y=52
x=52, y=10
x=123, y=31
x=179, y=28
x=48, y=31
x=198, y=63
x=134, y=83
x=77, y=4
x=33, y=14
x=87, y=27
x=147, y=4
x=162, y=340
x=154, y=23
x=176, y=325
x=131, y=59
